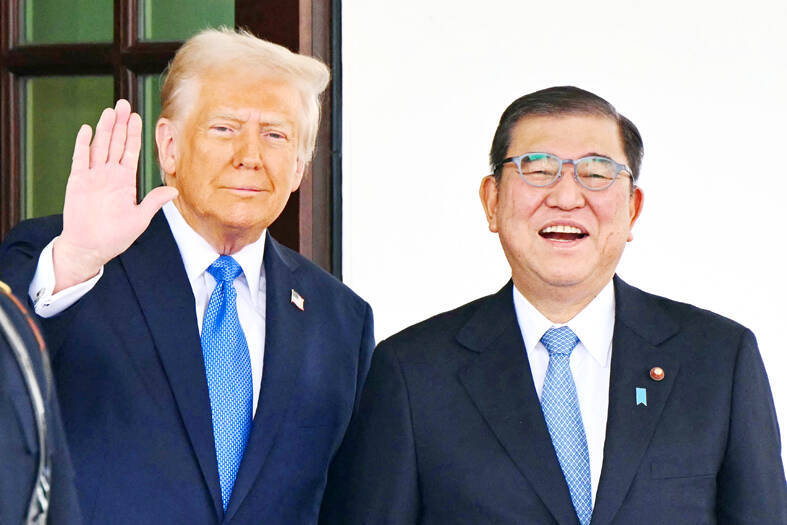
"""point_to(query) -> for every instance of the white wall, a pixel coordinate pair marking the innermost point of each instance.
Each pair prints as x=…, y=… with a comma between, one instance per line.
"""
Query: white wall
x=425, y=82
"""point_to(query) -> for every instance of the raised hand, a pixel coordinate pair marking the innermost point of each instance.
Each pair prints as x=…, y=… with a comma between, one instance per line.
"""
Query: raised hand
x=101, y=217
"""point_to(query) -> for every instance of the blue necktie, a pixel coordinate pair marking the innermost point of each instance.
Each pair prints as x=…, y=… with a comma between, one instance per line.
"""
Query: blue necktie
x=560, y=405
x=228, y=370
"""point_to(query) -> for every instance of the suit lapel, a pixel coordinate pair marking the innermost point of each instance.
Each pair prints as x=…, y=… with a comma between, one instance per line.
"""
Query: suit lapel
x=285, y=350
x=500, y=384
x=640, y=325
x=157, y=275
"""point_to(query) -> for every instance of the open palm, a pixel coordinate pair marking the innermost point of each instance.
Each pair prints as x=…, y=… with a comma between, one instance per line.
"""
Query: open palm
x=101, y=217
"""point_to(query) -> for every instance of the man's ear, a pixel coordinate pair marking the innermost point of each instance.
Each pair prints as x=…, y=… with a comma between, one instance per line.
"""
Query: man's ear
x=488, y=193
x=636, y=201
x=166, y=145
x=300, y=168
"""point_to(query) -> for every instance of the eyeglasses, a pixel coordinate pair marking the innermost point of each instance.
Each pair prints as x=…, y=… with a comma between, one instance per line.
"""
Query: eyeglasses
x=544, y=169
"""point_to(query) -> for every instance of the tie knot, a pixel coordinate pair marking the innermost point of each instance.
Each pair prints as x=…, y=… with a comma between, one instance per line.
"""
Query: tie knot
x=560, y=341
x=225, y=269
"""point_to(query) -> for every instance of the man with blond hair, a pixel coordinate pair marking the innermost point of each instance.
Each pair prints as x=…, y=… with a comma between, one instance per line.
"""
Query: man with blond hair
x=207, y=374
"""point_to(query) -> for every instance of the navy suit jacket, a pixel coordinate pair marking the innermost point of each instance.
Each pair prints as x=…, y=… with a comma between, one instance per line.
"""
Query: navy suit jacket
x=450, y=428
x=19, y=451
x=129, y=369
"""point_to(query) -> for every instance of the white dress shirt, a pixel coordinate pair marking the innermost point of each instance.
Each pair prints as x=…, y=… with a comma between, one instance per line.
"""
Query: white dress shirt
x=197, y=255
x=590, y=363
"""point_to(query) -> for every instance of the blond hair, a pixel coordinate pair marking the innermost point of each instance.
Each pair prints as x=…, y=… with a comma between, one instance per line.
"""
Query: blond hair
x=214, y=48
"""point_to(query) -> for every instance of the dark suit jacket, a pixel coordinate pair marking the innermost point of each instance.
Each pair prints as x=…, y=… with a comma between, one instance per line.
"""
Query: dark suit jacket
x=450, y=428
x=19, y=450
x=129, y=369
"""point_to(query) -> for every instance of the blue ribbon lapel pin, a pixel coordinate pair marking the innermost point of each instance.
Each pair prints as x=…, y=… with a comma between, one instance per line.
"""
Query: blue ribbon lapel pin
x=642, y=396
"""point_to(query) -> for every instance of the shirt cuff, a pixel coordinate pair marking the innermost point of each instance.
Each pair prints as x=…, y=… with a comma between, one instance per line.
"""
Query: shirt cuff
x=47, y=304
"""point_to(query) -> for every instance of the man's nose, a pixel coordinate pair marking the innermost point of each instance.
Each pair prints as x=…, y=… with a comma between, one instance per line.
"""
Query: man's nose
x=248, y=153
x=566, y=193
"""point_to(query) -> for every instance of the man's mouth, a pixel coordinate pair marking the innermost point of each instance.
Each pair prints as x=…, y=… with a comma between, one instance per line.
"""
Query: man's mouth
x=243, y=189
x=562, y=232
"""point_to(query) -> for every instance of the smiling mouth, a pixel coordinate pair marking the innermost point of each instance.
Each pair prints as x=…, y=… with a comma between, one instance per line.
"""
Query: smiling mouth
x=562, y=232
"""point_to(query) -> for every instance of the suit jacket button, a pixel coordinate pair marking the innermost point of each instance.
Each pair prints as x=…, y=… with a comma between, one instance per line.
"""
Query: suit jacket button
x=657, y=373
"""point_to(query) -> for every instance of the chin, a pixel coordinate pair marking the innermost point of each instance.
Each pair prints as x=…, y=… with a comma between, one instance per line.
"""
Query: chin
x=237, y=217
x=565, y=279
x=246, y=223
x=564, y=282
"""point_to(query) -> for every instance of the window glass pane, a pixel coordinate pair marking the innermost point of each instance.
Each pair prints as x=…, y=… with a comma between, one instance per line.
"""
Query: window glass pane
x=61, y=21
x=55, y=107
x=179, y=19
x=150, y=89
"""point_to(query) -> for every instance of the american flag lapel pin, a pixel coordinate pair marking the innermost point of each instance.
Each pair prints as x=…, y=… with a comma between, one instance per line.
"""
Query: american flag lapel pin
x=296, y=299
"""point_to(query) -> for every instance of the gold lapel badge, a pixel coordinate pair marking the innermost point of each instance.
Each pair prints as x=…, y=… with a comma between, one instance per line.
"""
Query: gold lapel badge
x=657, y=373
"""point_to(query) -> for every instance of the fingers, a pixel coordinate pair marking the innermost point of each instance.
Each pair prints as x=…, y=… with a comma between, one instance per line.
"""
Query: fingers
x=157, y=198
x=100, y=147
x=109, y=143
x=130, y=157
x=117, y=143
x=81, y=159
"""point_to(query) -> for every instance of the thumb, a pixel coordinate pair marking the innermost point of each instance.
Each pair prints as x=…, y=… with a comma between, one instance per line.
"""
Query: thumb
x=157, y=198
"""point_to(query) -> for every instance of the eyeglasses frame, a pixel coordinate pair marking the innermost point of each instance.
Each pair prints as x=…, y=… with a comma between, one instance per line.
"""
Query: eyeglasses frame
x=517, y=161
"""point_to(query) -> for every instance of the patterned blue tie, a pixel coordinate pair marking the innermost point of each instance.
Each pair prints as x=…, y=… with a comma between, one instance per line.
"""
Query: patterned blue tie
x=228, y=369
x=560, y=405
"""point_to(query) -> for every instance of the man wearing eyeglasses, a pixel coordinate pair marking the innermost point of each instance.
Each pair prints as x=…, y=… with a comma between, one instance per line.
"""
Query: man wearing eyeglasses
x=568, y=397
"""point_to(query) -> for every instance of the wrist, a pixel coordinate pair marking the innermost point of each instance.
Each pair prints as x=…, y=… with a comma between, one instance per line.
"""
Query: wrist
x=73, y=264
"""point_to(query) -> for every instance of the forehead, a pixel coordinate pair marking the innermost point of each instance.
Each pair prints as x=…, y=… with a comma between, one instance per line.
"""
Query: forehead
x=229, y=91
x=567, y=136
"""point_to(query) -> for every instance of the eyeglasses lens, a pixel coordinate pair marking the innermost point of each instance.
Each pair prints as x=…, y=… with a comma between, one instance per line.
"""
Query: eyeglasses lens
x=539, y=169
x=596, y=173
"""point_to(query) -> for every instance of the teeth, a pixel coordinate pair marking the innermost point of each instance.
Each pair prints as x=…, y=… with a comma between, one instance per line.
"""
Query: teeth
x=561, y=228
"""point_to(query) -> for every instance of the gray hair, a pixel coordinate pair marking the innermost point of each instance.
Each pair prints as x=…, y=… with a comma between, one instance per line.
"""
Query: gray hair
x=564, y=100
x=212, y=47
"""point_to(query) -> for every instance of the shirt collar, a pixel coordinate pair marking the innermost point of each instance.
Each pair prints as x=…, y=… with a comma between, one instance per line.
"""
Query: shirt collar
x=198, y=254
x=594, y=325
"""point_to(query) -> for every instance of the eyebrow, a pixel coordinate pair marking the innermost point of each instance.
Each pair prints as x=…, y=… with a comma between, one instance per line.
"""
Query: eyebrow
x=226, y=116
x=594, y=154
x=236, y=118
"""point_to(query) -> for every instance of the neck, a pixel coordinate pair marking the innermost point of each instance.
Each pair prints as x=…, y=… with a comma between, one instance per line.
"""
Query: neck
x=227, y=246
x=559, y=304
